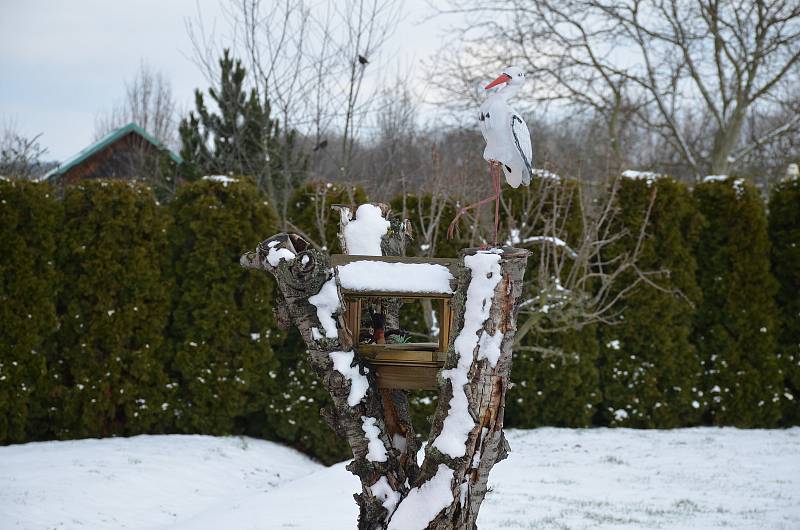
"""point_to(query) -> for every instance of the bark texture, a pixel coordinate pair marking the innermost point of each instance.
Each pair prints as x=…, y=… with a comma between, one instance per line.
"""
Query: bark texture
x=388, y=482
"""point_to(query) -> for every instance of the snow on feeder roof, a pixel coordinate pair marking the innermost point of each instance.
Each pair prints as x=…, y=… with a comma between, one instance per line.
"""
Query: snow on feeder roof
x=381, y=276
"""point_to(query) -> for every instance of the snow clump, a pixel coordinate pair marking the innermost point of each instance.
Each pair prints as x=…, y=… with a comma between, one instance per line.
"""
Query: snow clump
x=422, y=504
x=376, y=452
x=363, y=234
x=327, y=303
x=275, y=255
x=342, y=361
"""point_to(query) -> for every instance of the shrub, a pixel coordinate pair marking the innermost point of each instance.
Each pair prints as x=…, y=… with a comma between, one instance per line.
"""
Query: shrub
x=650, y=372
x=554, y=374
x=736, y=324
x=222, y=314
x=29, y=219
x=784, y=234
x=113, y=306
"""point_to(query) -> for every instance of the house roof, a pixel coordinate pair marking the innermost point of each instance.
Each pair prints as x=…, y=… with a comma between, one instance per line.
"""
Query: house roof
x=104, y=142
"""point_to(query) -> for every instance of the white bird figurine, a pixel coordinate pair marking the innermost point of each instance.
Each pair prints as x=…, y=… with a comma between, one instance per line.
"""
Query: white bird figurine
x=508, y=141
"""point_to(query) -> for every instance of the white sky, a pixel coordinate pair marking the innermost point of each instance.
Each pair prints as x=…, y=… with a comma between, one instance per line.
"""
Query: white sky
x=62, y=62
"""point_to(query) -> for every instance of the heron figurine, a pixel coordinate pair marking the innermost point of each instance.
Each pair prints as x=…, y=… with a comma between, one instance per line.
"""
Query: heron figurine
x=508, y=142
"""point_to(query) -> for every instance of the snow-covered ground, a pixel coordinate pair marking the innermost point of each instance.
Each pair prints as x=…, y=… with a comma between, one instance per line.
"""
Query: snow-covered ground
x=555, y=478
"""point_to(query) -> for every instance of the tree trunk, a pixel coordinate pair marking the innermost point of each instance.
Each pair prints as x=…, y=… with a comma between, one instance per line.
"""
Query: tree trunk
x=466, y=439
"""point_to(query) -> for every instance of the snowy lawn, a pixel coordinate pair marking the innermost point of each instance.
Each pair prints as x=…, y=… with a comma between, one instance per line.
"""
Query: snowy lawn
x=555, y=478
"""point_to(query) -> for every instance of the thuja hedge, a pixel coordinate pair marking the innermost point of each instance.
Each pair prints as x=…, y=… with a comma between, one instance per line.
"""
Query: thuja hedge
x=650, y=371
x=122, y=316
x=784, y=234
x=737, y=323
x=29, y=220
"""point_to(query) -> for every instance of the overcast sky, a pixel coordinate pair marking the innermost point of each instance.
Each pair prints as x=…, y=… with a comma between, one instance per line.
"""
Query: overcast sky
x=62, y=62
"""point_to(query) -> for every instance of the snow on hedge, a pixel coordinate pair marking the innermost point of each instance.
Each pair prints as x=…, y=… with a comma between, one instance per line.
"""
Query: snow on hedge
x=222, y=179
x=485, y=275
x=395, y=277
x=327, y=303
x=363, y=234
x=423, y=503
x=342, y=361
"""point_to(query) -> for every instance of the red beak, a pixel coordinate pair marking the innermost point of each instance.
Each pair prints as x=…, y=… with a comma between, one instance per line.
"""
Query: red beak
x=504, y=78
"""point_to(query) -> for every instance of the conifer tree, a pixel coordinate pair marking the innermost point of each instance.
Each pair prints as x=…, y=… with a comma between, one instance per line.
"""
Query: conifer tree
x=651, y=375
x=113, y=306
x=784, y=234
x=29, y=220
x=238, y=136
x=737, y=323
x=221, y=319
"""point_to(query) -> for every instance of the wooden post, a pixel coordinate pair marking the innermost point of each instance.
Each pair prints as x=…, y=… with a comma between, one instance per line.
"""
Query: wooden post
x=376, y=423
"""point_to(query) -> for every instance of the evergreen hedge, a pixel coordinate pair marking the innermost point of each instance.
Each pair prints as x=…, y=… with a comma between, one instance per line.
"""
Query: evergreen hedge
x=650, y=372
x=121, y=316
x=221, y=362
x=736, y=324
x=113, y=305
x=29, y=220
x=784, y=233
x=555, y=377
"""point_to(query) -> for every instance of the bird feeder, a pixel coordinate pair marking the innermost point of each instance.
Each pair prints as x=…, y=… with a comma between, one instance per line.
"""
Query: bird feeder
x=375, y=286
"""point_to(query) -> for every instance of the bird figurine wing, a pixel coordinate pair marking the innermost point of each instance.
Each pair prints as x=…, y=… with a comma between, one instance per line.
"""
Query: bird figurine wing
x=522, y=141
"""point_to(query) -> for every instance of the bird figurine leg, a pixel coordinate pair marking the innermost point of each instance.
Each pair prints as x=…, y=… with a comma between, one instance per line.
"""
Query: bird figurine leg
x=494, y=169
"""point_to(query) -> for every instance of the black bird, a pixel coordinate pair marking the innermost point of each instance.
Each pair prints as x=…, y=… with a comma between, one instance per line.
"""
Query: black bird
x=362, y=59
x=322, y=145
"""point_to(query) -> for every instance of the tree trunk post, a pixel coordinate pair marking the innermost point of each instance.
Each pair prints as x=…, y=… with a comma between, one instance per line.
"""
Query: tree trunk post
x=467, y=435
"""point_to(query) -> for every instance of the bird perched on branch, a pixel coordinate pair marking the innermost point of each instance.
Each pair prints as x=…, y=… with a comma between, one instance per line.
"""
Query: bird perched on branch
x=508, y=141
x=362, y=60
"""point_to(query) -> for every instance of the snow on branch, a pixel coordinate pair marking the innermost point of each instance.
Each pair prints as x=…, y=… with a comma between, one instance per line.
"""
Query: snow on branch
x=422, y=504
x=327, y=303
x=342, y=361
x=485, y=275
x=553, y=240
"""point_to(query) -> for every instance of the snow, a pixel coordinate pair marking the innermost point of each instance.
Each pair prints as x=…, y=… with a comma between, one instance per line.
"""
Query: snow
x=327, y=303
x=485, y=275
x=648, y=176
x=358, y=383
x=715, y=178
x=275, y=255
x=552, y=240
x=363, y=234
x=376, y=452
x=389, y=498
x=222, y=179
x=395, y=277
x=423, y=503
x=738, y=184
x=554, y=478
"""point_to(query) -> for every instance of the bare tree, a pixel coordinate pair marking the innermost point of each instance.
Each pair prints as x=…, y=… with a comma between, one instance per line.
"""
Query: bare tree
x=148, y=102
x=20, y=156
x=683, y=70
x=312, y=61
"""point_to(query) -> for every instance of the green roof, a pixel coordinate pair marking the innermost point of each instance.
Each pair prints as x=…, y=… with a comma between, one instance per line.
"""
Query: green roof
x=104, y=142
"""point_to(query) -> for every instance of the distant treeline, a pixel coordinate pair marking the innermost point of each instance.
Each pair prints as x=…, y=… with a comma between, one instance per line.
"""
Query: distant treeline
x=121, y=316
